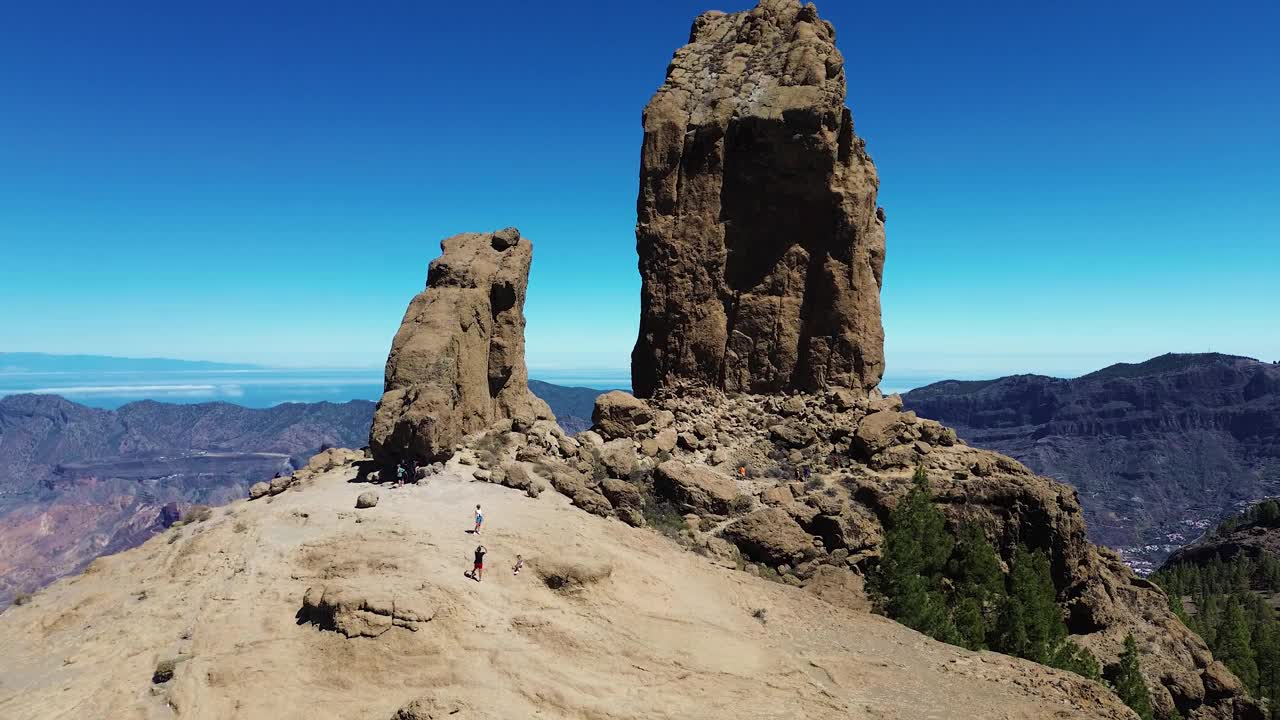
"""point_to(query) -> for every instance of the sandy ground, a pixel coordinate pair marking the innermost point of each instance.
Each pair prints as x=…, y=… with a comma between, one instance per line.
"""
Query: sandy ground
x=669, y=634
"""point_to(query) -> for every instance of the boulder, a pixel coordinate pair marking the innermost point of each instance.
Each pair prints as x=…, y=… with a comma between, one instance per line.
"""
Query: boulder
x=688, y=441
x=258, y=489
x=580, y=490
x=1219, y=682
x=590, y=439
x=280, y=484
x=330, y=458
x=851, y=531
x=840, y=587
x=791, y=406
x=878, y=431
x=619, y=457
x=695, y=486
x=367, y=499
x=620, y=493
x=517, y=477
x=761, y=249
x=777, y=495
x=793, y=434
x=666, y=439
x=618, y=414
x=1185, y=687
x=457, y=363
x=771, y=536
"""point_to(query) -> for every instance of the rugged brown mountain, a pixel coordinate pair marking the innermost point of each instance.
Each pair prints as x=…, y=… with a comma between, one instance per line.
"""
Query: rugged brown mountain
x=1159, y=450
x=761, y=246
x=457, y=362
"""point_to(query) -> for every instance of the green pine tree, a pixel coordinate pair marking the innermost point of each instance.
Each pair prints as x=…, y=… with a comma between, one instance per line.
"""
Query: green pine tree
x=1034, y=629
x=908, y=583
x=1128, y=682
x=978, y=582
x=1233, y=647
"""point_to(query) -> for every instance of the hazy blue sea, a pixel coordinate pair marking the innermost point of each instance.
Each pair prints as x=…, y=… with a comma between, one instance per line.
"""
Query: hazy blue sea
x=272, y=386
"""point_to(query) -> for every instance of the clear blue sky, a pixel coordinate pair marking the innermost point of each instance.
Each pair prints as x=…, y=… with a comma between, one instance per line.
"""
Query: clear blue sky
x=1067, y=184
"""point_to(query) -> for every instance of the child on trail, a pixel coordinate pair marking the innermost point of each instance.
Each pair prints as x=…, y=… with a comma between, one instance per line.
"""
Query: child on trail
x=519, y=564
x=399, y=474
x=479, y=520
x=478, y=568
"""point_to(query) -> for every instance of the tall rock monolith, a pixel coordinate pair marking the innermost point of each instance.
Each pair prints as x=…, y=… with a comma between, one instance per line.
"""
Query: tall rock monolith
x=457, y=363
x=761, y=246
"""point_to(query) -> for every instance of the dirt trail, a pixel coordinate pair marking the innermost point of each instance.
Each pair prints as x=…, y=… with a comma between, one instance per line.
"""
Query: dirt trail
x=667, y=634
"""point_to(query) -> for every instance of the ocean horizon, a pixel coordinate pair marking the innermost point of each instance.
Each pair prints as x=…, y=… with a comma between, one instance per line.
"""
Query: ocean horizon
x=267, y=387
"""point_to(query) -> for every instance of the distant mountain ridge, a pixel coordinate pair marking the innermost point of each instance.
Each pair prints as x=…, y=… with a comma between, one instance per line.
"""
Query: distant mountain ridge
x=572, y=405
x=78, y=482
x=48, y=362
x=1158, y=450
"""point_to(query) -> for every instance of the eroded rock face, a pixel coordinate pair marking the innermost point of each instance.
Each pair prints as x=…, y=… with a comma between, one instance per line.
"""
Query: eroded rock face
x=457, y=363
x=761, y=246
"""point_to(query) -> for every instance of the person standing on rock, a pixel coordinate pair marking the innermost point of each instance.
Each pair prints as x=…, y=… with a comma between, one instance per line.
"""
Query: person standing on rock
x=479, y=520
x=477, y=570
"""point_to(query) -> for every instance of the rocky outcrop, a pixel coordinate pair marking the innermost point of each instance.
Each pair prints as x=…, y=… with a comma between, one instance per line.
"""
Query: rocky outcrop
x=354, y=613
x=457, y=363
x=761, y=246
x=1192, y=437
x=859, y=461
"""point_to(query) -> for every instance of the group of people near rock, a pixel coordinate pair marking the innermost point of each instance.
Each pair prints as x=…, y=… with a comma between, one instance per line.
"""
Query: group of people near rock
x=477, y=567
x=407, y=469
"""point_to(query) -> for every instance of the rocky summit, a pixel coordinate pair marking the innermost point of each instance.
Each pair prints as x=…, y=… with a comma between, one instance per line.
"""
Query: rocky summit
x=301, y=606
x=761, y=246
x=457, y=362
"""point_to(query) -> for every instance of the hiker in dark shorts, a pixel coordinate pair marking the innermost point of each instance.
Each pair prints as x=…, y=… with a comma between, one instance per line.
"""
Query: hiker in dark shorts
x=478, y=569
